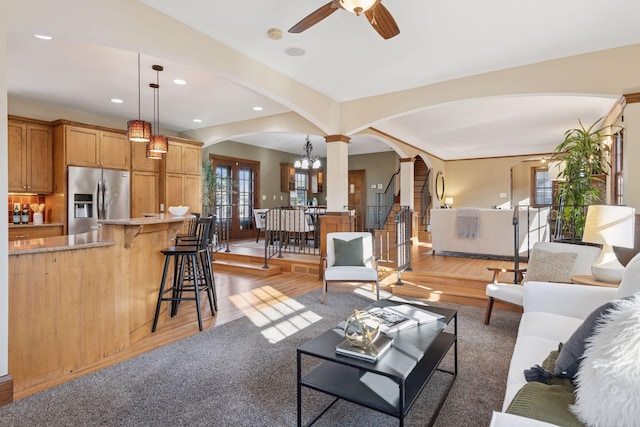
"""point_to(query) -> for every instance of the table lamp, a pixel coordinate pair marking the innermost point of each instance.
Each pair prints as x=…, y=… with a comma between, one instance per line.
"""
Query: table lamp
x=609, y=226
x=448, y=201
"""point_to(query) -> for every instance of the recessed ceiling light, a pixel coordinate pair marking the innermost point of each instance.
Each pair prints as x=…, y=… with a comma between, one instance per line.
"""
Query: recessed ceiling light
x=116, y=100
x=295, y=51
x=180, y=82
x=257, y=108
x=43, y=37
x=197, y=121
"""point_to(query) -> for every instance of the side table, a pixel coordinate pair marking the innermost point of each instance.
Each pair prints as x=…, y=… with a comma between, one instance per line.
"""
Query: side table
x=588, y=279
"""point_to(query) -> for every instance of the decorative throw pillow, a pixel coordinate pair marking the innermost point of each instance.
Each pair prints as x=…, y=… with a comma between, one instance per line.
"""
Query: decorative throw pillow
x=545, y=266
x=607, y=392
x=544, y=402
x=348, y=252
x=572, y=351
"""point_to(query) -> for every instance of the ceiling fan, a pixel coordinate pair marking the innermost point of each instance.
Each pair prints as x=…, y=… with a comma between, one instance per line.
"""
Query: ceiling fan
x=377, y=15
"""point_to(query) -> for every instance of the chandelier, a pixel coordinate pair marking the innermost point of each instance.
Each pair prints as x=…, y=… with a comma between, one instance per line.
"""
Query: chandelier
x=307, y=160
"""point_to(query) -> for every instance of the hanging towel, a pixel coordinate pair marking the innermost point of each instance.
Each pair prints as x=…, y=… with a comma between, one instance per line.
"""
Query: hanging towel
x=468, y=223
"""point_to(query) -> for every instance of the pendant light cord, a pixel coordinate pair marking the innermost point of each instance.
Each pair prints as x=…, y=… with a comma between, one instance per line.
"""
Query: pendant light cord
x=139, y=86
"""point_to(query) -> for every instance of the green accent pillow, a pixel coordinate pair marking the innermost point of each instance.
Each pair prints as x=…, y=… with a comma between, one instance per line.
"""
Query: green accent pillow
x=348, y=253
x=544, y=402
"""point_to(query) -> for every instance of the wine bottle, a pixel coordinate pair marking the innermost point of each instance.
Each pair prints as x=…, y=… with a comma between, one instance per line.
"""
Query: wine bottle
x=25, y=215
x=16, y=214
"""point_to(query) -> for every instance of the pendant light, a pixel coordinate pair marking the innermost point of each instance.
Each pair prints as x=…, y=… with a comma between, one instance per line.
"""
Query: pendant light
x=154, y=155
x=138, y=130
x=158, y=143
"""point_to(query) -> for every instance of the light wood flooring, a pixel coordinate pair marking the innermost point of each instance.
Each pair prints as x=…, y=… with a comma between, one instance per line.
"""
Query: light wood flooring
x=437, y=277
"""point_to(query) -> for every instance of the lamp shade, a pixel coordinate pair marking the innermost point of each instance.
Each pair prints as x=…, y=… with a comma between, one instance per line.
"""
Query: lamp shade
x=152, y=154
x=610, y=225
x=448, y=200
x=138, y=131
x=158, y=144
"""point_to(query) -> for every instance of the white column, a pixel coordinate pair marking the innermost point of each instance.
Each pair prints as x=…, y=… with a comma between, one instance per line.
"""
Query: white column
x=4, y=185
x=337, y=177
x=632, y=155
x=406, y=182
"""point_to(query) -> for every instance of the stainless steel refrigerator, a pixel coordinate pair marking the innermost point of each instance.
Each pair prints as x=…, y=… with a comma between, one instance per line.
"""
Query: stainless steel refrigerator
x=96, y=194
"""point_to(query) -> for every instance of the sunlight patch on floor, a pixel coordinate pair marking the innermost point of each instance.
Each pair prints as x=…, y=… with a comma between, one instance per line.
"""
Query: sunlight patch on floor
x=274, y=312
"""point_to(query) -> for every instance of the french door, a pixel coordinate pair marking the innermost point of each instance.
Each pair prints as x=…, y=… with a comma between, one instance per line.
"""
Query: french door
x=237, y=194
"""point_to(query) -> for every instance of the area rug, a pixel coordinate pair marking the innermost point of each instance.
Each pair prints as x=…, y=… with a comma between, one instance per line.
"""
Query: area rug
x=243, y=373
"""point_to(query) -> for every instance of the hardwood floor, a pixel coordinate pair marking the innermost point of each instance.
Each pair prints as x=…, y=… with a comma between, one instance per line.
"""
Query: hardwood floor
x=437, y=277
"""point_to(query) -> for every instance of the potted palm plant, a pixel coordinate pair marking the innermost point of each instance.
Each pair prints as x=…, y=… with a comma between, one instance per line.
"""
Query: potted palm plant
x=584, y=159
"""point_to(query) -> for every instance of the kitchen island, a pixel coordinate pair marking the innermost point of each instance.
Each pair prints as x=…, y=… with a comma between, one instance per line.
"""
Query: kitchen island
x=76, y=300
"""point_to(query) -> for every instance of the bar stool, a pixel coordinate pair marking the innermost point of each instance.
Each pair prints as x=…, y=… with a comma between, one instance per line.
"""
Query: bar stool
x=192, y=273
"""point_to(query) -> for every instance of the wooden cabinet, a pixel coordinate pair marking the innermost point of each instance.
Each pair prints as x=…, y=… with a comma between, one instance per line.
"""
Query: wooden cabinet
x=30, y=153
x=183, y=177
x=139, y=160
x=144, y=193
x=287, y=177
x=28, y=232
x=184, y=190
x=317, y=181
x=96, y=148
x=184, y=157
x=315, y=178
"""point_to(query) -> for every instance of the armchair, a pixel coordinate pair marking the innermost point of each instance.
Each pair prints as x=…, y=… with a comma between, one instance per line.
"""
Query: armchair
x=512, y=293
x=347, y=260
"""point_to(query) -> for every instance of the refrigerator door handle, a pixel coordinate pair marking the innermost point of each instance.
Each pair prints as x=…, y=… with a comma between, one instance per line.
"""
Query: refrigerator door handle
x=99, y=200
x=105, y=198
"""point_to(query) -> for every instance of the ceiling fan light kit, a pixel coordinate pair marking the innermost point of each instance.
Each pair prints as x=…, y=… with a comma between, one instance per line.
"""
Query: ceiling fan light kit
x=357, y=6
x=378, y=16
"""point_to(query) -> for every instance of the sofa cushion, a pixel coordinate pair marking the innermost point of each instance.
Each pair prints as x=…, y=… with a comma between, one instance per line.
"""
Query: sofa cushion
x=607, y=382
x=545, y=402
x=573, y=349
x=545, y=266
x=348, y=252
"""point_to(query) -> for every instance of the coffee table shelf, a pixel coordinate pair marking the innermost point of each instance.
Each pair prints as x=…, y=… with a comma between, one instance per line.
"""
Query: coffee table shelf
x=393, y=383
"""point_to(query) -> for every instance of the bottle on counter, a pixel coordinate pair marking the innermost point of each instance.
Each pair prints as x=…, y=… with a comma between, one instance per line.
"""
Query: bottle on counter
x=16, y=214
x=25, y=215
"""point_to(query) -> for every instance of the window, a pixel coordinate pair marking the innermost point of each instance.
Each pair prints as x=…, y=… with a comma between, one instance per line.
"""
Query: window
x=617, y=155
x=302, y=185
x=542, y=193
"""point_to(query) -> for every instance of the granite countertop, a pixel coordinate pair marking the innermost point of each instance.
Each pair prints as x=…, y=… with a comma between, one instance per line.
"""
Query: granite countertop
x=30, y=225
x=147, y=219
x=91, y=239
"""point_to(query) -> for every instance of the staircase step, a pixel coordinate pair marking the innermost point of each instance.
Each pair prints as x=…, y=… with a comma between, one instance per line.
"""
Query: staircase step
x=251, y=268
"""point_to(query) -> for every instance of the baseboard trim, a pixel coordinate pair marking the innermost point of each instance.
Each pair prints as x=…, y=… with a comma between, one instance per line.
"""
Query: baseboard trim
x=6, y=390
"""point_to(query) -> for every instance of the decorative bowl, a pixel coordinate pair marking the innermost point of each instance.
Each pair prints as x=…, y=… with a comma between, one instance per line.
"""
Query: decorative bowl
x=178, y=210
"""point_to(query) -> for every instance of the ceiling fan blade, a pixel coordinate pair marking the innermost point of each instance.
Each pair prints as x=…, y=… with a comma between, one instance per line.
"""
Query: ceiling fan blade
x=382, y=21
x=313, y=18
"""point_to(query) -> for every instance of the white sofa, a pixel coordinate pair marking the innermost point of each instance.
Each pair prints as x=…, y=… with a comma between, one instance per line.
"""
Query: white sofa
x=552, y=312
x=495, y=234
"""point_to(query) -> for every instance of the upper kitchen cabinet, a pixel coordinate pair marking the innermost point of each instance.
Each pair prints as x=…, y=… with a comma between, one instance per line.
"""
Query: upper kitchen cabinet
x=183, y=179
x=94, y=147
x=139, y=160
x=30, y=148
x=184, y=157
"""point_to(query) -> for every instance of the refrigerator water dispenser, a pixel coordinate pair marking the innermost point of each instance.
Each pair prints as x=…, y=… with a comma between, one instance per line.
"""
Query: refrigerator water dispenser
x=83, y=205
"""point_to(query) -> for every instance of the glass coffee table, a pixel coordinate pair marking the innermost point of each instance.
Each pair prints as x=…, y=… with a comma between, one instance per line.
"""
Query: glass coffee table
x=393, y=383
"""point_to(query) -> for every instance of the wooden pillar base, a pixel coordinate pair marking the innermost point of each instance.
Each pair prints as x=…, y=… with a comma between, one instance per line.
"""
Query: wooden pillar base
x=6, y=390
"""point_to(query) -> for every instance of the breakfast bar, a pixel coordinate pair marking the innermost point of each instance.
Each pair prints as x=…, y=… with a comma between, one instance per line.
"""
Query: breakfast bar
x=75, y=300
